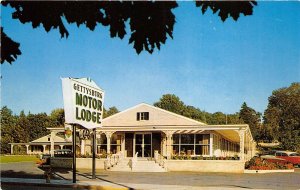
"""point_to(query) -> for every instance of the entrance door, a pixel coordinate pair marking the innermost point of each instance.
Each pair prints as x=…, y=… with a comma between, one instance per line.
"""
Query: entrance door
x=143, y=144
x=129, y=144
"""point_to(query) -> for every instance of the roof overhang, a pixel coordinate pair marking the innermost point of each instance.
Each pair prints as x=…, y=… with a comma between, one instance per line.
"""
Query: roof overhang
x=228, y=131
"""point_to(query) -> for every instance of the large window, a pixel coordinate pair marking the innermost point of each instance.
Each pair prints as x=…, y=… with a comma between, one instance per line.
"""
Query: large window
x=191, y=144
x=115, y=144
x=224, y=147
x=102, y=144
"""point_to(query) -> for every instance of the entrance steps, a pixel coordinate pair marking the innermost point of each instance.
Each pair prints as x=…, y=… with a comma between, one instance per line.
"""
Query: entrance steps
x=142, y=165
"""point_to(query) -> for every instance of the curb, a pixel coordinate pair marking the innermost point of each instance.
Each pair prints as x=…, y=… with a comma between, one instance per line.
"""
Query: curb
x=62, y=185
x=267, y=171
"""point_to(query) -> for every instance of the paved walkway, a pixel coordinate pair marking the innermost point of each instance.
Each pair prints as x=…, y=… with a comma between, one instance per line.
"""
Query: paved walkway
x=168, y=181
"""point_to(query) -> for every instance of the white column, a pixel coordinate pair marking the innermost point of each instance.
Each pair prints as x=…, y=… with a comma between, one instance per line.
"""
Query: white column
x=253, y=148
x=123, y=144
x=11, y=149
x=98, y=136
x=82, y=147
x=52, y=143
x=169, y=143
x=61, y=146
x=108, y=137
x=44, y=149
x=248, y=148
x=211, y=144
x=27, y=150
x=242, y=144
x=164, y=145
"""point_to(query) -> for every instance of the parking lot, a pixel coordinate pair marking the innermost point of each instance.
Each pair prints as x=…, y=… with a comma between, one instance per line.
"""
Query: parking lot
x=181, y=180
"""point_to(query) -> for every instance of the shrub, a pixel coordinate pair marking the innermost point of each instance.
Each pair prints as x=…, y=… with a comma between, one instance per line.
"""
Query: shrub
x=262, y=164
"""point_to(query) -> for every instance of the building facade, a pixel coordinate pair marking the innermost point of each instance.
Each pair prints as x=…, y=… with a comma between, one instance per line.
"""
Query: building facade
x=144, y=129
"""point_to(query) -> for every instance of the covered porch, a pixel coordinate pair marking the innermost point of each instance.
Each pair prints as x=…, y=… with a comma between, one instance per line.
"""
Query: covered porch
x=206, y=141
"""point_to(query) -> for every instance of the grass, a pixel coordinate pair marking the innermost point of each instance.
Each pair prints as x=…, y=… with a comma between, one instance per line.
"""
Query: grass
x=17, y=158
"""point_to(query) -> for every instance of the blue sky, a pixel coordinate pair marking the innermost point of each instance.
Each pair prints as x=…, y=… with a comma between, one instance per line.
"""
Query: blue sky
x=209, y=64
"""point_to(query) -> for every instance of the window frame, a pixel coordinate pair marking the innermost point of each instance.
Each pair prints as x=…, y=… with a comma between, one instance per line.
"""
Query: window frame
x=194, y=144
x=142, y=116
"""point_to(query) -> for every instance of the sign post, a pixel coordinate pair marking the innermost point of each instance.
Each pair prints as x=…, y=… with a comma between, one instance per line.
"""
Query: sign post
x=83, y=105
x=74, y=153
x=94, y=155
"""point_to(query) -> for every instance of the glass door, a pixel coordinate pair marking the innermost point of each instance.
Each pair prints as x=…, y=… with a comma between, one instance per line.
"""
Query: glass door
x=143, y=144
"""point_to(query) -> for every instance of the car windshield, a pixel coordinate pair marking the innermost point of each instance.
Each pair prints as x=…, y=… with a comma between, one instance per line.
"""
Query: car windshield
x=294, y=154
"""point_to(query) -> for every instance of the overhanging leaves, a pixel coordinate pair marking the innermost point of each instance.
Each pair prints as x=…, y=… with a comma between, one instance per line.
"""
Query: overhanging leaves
x=228, y=8
x=151, y=22
x=9, y=48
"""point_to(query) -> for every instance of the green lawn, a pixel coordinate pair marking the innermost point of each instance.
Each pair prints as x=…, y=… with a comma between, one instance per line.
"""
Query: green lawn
x=21, y=158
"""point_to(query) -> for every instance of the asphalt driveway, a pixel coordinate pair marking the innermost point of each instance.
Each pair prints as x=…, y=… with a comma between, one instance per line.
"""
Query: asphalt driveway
x=180, y=179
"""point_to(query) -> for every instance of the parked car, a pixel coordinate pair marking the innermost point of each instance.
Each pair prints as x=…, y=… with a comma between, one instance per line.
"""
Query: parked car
x=63, y=153
x=292, y=157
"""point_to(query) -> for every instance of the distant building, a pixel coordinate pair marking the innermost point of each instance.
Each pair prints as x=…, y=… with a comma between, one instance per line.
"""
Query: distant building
x=41, y=145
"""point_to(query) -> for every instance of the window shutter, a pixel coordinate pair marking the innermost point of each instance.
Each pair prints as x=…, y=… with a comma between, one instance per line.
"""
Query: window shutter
x=138, y=116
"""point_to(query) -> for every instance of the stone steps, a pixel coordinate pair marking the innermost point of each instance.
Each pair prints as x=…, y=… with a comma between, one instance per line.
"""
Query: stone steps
x=142, y=165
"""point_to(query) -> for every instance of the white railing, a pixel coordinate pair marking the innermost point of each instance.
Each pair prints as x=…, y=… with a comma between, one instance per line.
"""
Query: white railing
x=133, y=161
x=112, y=160
x=160, y=160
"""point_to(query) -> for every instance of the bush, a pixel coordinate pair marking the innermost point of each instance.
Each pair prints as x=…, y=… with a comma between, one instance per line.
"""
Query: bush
x=262, y=164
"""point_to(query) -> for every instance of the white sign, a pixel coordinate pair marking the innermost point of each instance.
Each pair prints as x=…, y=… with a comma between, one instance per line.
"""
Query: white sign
x=83, y=102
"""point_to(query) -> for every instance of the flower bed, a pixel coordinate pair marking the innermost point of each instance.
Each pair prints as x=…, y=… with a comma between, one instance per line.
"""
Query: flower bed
x=264, y=164
x=186, y=157
x=91, y=156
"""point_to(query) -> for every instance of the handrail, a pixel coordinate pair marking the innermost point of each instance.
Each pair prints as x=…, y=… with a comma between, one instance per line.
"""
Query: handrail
x=133, y=161
x=112, y=160
x=158, y=158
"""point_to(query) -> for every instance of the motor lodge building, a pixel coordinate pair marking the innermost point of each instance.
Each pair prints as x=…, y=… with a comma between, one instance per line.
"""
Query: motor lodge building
x=144, y=130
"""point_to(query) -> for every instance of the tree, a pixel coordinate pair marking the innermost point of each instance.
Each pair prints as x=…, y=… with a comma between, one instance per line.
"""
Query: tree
x=218, y=118
x=11, y=131
x=150, y=22
x=234, y=119
x=252, y=118
x=111, y=111
x=8, y=122
x=25, y=128
x=194, y=113
x=282, y=116
x=171, y=103
x=57, y=118
x=23, y=122
x=38, y=124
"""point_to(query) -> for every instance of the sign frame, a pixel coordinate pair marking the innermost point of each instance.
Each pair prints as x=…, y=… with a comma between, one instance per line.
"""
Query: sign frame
x=83, y=102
